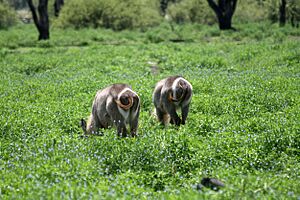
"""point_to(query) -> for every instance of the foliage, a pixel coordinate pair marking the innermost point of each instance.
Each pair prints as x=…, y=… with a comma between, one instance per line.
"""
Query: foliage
x=7, y=16
x=198, y=11
x=194, y=11
x=292, y=10
x=251, y=11
x=243, y=127
x=250, y=32
x=17, y=4
x=247, y=11
x=115, y=14
x=140, y=14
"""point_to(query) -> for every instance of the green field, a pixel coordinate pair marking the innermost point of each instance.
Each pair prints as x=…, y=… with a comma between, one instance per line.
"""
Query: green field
x=243, y=127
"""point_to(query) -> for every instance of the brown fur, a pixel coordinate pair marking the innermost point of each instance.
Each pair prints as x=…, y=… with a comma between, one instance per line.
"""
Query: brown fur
x=170, y=94
x=109, y=110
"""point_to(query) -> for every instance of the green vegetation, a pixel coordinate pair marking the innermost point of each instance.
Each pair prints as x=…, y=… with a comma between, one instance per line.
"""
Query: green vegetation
x=7, y=15
x=243, y=127
x=194, y=11
x=292, y=10
x=142, y=14
x=114, y=14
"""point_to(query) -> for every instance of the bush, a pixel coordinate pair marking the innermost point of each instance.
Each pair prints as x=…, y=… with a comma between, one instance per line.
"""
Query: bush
x=195, y=11
x=250, y=11
x=7, y=16
x=292, y=11
x=115, y=14
x=198, y=11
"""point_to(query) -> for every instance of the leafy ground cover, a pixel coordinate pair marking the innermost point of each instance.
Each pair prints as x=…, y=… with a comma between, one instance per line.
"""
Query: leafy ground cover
x=243, y=127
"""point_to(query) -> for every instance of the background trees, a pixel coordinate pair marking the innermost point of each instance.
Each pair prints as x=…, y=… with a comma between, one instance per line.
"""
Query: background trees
x=114, y=14
x=57, y=6
x=7, y=15
x=41, y=21
x=224, y=10
x=282, y=12
x=190, y=11
x=17, y=4
x=141, y=14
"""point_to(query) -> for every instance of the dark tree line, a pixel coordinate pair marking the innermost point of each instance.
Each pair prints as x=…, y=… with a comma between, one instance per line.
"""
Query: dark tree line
x=224, y=10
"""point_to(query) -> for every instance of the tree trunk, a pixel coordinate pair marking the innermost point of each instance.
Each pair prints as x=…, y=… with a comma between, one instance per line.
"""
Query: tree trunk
x=163, y=6
x=225, y=23
x=57, y=6
x=42, y=21
x=282, y=13
x=224, y=11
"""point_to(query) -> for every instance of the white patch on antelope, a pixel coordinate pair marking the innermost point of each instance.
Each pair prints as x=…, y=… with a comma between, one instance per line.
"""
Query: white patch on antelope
x=175, y=85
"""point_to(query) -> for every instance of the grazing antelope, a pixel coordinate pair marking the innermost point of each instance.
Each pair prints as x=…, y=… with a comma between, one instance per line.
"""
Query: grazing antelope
x=171, y=94
x=115, y=105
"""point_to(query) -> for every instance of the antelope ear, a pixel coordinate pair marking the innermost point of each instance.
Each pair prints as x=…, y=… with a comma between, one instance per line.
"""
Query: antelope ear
x=170, y=97
x=179, y=84
x=182, y=85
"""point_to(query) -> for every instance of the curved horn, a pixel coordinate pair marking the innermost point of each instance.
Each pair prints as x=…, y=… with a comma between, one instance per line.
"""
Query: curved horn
x=171, y=97
x=181, y=95
x=184, y=90
x=125, y=107
x=180, y=85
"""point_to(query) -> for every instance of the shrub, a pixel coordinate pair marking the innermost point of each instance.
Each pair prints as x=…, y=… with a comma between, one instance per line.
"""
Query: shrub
x=80, y=13
x=250, y=11
x=292, y=11
x=115, y=14
x=198, y=11
x=195, y=11
x=7, y=16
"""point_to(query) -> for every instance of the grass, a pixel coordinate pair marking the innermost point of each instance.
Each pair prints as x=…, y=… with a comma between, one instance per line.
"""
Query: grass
x=243, y=127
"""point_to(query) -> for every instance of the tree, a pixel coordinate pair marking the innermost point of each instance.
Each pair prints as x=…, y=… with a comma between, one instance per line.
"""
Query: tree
x=42, y=21
x=164, y=5
x=17, y=4
x=8, y=15
x=294, y=11
x=224, y=11
x=57, y=6
x=282, y=13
